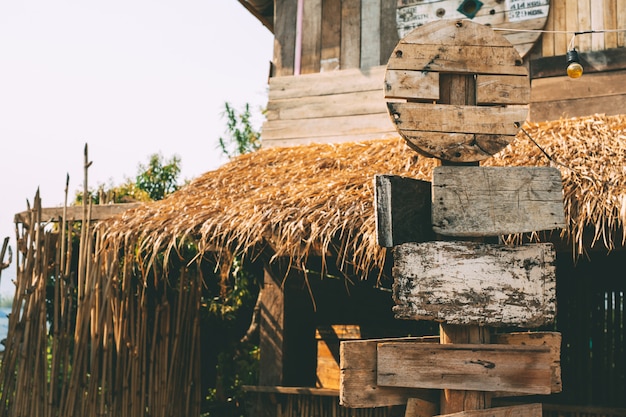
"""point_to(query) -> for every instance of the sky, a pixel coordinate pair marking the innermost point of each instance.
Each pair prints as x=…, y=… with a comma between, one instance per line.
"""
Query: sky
x=128, y=78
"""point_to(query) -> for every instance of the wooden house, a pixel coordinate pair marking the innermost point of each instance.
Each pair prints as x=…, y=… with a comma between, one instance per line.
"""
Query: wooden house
x=330, y=56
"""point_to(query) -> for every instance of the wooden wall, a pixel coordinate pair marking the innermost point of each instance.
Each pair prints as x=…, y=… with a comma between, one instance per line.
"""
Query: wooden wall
x=328, y=70
x=580, y=16
x=335, y=35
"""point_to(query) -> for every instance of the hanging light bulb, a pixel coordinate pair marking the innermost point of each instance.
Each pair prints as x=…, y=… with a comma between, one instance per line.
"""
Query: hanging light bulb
x=574, y=69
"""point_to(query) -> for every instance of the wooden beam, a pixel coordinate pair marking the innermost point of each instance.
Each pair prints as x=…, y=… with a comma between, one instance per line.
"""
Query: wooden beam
x=492, y=201
x=525, y=410
x=465, y=367
x=475, y=283
x=358, y=387
x=75, y=213
x=402, y=207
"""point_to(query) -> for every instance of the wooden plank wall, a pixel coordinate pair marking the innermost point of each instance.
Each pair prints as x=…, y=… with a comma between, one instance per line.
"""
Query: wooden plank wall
x=335, y=35
x=336, y=106
x=322, y=97
x=584, y=15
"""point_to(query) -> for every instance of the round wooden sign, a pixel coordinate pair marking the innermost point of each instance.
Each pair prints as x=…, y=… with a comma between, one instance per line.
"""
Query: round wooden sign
x=519, y=16
x=456, y=90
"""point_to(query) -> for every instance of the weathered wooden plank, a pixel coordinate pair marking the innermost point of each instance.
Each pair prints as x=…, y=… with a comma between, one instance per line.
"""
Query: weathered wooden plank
x=402, y=207
x=457, y=119
x=358, y=388
x=584, y=24
x=350, y=34
x=75, y=213
x=551, y=340
x=311, y=107
x=458, y=59
x=311, y=36
x=565, y=88
x=554, y=110
x=416, y=407
x=597, y=24
x=412, y=85
x=440, y=32
x=327, y=83
x=470, y=367
x=610, y=22
x=388, y=31
x=322, y=127
x=330, y=139
x=370, y=33
x=331, y=35
x=491, y=201
x=475, y=283
x=524, y=410
x=502, y=89
x=284, y=37
x=456, y=147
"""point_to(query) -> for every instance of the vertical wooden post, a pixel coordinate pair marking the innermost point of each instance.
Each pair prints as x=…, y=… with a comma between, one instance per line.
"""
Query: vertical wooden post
x=460, y=89
x=454, y=401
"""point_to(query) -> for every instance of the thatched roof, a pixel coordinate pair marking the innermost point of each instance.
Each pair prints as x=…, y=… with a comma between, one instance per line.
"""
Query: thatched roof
x=318, y=199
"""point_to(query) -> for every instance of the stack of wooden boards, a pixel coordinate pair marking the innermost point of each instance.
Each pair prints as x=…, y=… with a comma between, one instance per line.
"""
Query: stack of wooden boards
x=445, y=267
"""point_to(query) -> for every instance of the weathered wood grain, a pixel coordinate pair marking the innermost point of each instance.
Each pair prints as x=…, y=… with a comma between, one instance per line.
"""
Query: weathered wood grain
x=358, y=388
x=457, y=58
x=456, y=147
x=524, y=410
x=75, y=213
x=457, y=119
x=422, y=85
x=312, y=36
x=323, y=84
x=502, y=89
x=551, y=340
x=416, y=407
x=331, y=35
x=350, y=34
x=475, y=283
x=492, y=201
x=465, y=367
x=370, y=33
x=402, y=207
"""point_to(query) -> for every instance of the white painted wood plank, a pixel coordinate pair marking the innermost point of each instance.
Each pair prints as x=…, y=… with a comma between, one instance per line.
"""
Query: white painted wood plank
x=475, y=283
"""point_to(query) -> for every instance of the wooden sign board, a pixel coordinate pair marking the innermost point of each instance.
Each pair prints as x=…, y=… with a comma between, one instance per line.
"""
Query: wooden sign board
x=492, y=201
x=552, y=340
x=458, y=90
x=403, y=210
x=465, y=367
x=358, y=387
x=475, y=283
x=525, y=410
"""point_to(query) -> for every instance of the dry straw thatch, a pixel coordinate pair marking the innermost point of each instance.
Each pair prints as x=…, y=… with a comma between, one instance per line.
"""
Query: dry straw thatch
x=318, y=199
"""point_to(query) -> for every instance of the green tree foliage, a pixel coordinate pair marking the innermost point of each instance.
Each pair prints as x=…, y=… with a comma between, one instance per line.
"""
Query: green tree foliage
x=159, y=178
x=242, y=137
x=154, y=181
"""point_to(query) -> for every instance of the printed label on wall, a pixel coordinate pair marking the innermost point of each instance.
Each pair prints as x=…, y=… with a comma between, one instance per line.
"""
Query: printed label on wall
x=518, y=10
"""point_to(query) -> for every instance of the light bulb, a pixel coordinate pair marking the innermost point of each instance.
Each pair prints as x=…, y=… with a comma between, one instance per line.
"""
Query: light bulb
x=574, y=69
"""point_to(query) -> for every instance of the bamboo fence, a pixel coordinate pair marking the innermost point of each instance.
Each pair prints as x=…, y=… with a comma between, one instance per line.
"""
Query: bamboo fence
x=90, y=334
